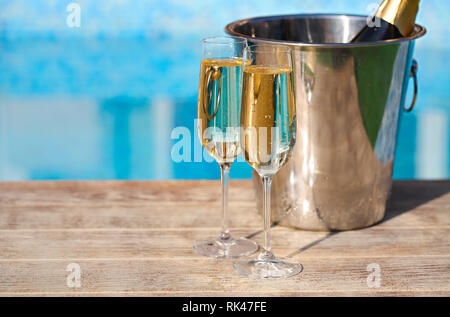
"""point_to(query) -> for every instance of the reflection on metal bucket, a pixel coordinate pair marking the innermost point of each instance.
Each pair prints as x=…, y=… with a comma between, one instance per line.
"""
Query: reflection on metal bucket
x=348, y=98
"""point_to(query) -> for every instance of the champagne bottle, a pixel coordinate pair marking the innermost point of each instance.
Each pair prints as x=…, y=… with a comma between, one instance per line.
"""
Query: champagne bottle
x=393, y=19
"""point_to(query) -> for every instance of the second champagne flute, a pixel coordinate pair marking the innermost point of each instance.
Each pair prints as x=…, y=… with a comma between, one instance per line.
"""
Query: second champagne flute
x=219, y=99
x=268, y=120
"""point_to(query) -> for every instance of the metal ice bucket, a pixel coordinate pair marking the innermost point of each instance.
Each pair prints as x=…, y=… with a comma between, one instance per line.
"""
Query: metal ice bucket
x=348, y=98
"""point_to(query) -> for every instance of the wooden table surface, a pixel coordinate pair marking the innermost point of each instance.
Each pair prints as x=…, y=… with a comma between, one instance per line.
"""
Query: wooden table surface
x=134, y=238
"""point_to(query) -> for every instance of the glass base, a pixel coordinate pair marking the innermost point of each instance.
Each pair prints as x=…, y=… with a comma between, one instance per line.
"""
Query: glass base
x=266, y=265
x=226, y=247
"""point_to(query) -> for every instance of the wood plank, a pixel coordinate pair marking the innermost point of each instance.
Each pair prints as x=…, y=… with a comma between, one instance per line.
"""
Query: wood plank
x=134, y=238
x=123, y=205
x=418, y=204
x=84, y=244
x=146, y=216
x=181, y=205
x=207, y=277
x=337, y=293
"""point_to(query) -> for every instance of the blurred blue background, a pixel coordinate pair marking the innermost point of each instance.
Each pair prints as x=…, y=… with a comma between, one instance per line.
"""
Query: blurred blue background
x=100, y=101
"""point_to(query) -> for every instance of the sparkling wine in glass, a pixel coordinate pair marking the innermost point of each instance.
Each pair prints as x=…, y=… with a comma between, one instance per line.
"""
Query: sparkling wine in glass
x=219, y=102
x=268, y=122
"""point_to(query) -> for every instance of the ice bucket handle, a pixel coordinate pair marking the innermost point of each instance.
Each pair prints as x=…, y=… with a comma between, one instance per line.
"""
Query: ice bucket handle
x=413, y=74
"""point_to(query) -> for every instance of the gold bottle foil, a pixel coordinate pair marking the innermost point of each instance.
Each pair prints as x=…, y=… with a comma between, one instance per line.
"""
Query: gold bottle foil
x=401, y=13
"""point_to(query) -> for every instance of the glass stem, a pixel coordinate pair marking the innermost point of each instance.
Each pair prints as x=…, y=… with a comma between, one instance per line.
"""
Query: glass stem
x=225, y=177
x=267, y=249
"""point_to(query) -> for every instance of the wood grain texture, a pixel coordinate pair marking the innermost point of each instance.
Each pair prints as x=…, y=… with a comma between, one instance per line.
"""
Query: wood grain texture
x=134, y=239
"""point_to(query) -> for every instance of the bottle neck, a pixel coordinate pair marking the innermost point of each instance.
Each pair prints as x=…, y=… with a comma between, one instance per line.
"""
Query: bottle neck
x=401, y=13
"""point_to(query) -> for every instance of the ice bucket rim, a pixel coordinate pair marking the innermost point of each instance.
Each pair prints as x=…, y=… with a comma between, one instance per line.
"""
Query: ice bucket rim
x=419, y=31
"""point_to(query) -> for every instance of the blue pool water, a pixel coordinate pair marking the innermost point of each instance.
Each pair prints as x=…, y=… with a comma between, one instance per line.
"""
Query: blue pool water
x=107, y=109
x=102, y=101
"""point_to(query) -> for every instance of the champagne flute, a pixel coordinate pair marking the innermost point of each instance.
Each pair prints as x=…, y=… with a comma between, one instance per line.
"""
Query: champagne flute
x=219, y=99
x=268, y=122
